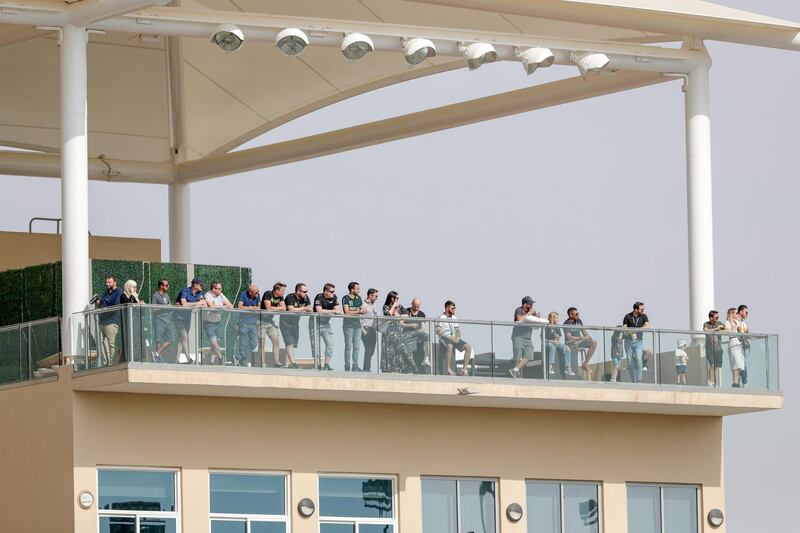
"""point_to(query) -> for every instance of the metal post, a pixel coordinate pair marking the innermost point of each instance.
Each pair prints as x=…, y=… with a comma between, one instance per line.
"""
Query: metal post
x=74, y=180
x=180, y=223
x=699, y=197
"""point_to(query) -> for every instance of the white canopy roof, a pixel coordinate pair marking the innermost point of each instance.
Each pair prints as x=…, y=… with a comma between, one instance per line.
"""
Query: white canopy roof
x=151, y=95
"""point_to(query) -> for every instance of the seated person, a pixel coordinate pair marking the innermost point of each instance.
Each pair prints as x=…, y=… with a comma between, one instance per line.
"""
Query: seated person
x=416, y=334
x=554, y=342
x=449, y=332
x=577, y=338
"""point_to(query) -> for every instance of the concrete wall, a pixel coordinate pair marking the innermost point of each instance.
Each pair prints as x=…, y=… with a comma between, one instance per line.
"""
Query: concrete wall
x=20, y=250
x=36, y=457
x=307, y=437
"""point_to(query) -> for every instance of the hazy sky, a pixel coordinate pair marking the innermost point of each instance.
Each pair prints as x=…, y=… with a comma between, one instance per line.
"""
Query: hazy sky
x=583, y=204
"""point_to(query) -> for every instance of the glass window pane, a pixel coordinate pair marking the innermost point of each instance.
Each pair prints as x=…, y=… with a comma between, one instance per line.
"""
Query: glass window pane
x=644, y=509
x=117, y=524
x=355, y=496
x=337, y=528
x=228, y=526
x=680, y=510
x=248, y=494
x=267, y=527
x=375, y=528
x=544, y=507
x=581, y=511
x=439, y=506
x=157, y=525
x=136, y=490
x=477, y=506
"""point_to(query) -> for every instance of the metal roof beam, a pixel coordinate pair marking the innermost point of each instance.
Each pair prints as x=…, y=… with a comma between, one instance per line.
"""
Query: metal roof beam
x=88, y=12
x=432, y=120
x=113, y=170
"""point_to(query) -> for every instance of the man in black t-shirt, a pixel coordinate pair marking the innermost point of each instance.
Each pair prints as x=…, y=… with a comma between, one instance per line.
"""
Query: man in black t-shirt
x=296, y=303
x=325, y=303
x=634, y=348
x=271, y=301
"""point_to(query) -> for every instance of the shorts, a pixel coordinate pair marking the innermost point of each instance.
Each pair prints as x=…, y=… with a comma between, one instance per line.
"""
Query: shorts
x=616, y=360
x=268, y=329
x=212, y=329
x=715, y=358
x=164, y=331
x=291, y=334
x=460, y=344
x=522, y=348
x=680, y=369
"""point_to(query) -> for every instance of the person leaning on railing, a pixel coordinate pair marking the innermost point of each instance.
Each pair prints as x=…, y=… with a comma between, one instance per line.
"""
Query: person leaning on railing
x=191, y=297
x=352, y=304
x=212, y=320
x=164, y=329
x=248, y=325
x=521, y=343
x=325, y=303
x=714, y=349
x=369, y=328
x=289, y=324
x=271, y=302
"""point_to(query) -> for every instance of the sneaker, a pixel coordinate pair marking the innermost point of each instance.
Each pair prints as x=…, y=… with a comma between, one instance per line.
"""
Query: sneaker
x=294, y=365
x=513, y=372
x=552, y=370
x=426, y=362
x=277, y=365
x=346, y=368
x=569, y=372
x=644, y=369
x=156, y=357
x=356, y=369
x=327, y=367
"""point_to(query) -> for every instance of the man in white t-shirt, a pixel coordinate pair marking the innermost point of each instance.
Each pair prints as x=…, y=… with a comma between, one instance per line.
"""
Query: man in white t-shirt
x=449, y=332
x=212, y=320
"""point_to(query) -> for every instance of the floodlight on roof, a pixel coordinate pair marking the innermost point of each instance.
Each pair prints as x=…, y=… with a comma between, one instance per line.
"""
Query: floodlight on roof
x=228, y=37
x=291, y=41
x=417, y=50
x=356, y=45
x=477, y=54
x=533, y=58
x=588, y=63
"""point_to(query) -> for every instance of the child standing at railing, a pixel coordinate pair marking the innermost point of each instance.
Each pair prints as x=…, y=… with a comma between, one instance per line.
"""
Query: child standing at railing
x=681, y=358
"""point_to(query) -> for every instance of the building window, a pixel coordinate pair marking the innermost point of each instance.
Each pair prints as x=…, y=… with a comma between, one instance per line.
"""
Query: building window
x=357, y=504
x=245, y=502
x=555, y=507
x=137, y=501
x=663, y=508
x=459, y=505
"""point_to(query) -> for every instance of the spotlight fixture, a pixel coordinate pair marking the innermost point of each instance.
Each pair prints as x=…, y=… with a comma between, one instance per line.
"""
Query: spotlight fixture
x=229, y=37
x=588, y=63
x=356, y=45
x=477, y=54
x=291, y=41
x=533, y=58
x=418, y=50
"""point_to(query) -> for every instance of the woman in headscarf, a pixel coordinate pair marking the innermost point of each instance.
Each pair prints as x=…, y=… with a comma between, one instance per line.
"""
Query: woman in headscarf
x=132, y=323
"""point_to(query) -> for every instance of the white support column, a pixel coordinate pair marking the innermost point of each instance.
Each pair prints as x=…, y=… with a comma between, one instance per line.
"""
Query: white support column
x=180, y=223
x=75, y=290
x=698, y=193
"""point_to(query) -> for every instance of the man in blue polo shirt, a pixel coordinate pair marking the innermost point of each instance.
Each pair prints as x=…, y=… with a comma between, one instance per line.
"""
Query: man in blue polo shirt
x=110, y=322
x=190, y=297
x=248, y=300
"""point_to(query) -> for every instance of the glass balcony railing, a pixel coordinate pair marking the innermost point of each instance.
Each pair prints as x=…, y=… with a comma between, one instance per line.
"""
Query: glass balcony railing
x=29, y=350
x=387, y=345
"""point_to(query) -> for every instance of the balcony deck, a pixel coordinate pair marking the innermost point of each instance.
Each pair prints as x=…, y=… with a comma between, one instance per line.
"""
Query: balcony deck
x=191, y=380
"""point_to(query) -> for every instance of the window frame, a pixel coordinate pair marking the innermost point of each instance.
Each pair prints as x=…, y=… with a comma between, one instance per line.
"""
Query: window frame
x=698, y=491
x=286, y=518
x=458, y=480
x=139, y=515
x=561, y=483
x=355, y=521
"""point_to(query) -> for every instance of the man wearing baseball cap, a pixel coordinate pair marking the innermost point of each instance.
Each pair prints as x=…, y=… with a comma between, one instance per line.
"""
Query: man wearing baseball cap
x=521, y=342
x=191, y=296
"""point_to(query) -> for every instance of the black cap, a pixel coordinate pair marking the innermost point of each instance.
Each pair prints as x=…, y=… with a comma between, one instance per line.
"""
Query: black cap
x=528, y=301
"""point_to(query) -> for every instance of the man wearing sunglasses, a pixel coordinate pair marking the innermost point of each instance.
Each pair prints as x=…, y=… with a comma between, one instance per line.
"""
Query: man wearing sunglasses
x=296, y=303
x=325, y=303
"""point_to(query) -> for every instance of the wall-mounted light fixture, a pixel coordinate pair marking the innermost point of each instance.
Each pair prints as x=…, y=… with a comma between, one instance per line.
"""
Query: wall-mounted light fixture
x=514, y=512
x=306, y=507
x=715, y=518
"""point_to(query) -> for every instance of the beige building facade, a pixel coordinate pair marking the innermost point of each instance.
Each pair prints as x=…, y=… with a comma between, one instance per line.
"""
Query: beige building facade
x=65, y=431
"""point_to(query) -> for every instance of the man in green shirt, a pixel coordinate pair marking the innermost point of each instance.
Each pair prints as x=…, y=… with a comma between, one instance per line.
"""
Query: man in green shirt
x=352, y=305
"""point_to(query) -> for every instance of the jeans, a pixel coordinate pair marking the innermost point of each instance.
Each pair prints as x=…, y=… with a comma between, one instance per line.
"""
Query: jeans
x=634, y=352
x=352, y=345
x=325, y=331
x=370, y=340
x=248, y=341
x=564, y=355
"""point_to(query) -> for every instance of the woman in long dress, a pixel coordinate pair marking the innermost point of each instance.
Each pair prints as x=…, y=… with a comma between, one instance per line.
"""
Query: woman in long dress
x=735, y=348
x=395, y=355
